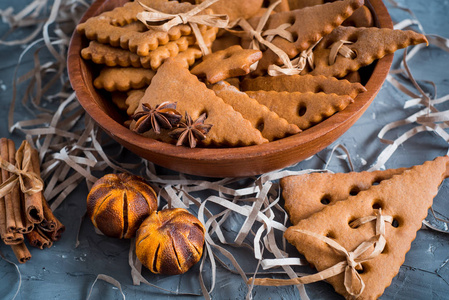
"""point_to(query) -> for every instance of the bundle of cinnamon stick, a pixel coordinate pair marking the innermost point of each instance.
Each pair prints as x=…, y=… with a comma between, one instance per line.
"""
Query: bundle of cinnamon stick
x=24, y=212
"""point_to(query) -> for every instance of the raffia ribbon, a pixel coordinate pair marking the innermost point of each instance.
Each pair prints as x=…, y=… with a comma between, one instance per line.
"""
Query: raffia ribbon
x=305, y=58
x=290, y=67
x=191, y=17
x=353, y=282
x=20, y=172
x=257, y=36
x=340, y=48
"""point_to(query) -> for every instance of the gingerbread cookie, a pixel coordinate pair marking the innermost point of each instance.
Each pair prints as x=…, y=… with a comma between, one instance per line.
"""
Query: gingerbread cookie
x=367, y=44
x=236, y=9
x=308, y=25
x=362, y=17
x=119, y=99
x=283, y=6
x=175, y=83
x=127, y=13
x=267, y=122
x=302, y=109
x=188, y=57
x=123, y=79
x=395, y=209
x=307, y=194
x=303, y=84
x=112, y=56
x=132, y=100
x=102, y=29
x=298, y=4
x=231, y=62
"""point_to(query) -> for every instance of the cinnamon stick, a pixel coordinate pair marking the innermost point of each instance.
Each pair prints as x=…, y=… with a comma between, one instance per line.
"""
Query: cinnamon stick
x=13, y=238
x=21, y=224
x=33, y=201
x=22, y=253
x=49, y=222
x=37, y=238
x=5, y=235
x=3, y=231
x=55, y=235
x=9, y=211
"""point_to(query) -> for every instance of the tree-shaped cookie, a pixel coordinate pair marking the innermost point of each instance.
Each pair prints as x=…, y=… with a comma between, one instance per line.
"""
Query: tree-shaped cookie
x=303, y=84
x=302, y=109
x=307, y=194
x=173, y=82
x=268, y=122
x=402, y=201
x=367, y=44
x=308, y=25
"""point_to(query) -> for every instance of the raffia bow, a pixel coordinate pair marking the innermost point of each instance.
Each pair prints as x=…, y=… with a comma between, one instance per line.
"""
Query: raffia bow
x=191, y=17
x=340, y=48
x=297, y=65
x=29, y=182
x=257, y=36
x=353, y=282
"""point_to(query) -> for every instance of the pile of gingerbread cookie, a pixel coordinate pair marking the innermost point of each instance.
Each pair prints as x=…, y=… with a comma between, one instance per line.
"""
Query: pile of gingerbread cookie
x=276, y=69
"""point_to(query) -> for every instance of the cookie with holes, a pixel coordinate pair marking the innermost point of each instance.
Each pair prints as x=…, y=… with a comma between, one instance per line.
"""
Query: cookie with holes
x=302, y=84
x=231, y=62
x=308, y=25
x=307, y=194
x=266, y=121
x=302, y=109
x=174, y=82
x=368, y=235
x=347, y=49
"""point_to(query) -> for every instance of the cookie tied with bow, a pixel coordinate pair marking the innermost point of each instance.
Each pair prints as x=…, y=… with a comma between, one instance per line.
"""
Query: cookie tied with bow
x=348, y=49
x=307, y=194
x=359, y=244
x=303, y=28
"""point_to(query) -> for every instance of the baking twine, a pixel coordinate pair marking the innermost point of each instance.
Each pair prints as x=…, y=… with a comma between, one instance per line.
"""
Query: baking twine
x=73, y=149
x=191, y=17
x=353, y=283
x=32, y=184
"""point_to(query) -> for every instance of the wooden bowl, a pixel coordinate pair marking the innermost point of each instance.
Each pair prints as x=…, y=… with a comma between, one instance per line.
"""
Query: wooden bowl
x=221, y=162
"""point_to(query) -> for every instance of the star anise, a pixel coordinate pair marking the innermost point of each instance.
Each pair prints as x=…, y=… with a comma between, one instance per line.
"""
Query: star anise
x=189, y=132
x=163, y=115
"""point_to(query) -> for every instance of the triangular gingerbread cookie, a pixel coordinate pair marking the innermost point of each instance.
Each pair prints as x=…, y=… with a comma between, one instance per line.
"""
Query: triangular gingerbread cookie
x=173, y=82
x=400, y=203
x=368, y=45
x=269, y=123
x=308, y=25
x=303, y=84
x=307, y=194
x=302, y=109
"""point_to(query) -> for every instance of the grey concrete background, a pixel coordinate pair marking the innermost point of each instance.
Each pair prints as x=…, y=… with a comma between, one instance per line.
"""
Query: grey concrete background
x=66, y=272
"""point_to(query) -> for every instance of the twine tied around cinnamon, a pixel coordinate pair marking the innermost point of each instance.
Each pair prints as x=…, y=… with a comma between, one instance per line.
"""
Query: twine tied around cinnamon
x=353, y=282
x=151, y=15
x=29, y=182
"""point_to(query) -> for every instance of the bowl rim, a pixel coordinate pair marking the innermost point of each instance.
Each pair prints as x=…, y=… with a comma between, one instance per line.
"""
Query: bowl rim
x=205, y=155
